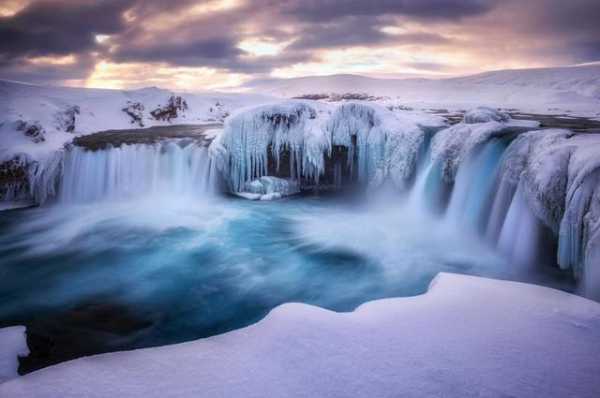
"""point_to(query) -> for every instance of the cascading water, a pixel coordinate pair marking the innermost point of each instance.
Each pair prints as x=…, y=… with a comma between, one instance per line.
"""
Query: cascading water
x=474, y=186
x=176, y=167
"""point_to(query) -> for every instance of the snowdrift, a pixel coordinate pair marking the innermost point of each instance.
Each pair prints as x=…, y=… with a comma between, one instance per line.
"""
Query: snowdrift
x=385, y=348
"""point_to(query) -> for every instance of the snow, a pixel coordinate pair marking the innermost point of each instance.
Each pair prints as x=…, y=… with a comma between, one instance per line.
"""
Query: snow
x=13, y=343
x=98, y=109
x=483, y=114
x=466, y=337
x=574, y=90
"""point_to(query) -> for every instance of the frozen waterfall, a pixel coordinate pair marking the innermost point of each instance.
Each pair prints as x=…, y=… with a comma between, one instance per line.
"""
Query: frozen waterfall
x=532, y=193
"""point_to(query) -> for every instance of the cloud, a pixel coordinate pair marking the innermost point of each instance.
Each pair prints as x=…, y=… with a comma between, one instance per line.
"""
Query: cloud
x=217, y=37
x=326, y=10
x=59, y=27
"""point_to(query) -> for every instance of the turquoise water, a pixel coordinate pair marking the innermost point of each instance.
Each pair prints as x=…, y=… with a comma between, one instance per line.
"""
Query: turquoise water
x=195, y=268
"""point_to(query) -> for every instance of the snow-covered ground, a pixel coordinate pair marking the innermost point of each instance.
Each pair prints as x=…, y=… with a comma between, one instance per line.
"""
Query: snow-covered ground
x=12, y=345
x=467, y=337
x=573, y=90
x=62, y=113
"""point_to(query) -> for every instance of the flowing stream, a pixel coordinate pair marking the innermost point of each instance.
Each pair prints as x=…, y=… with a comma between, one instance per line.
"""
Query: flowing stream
x=139, y=251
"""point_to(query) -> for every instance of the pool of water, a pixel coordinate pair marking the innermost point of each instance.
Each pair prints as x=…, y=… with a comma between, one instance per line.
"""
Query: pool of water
x=107, y=276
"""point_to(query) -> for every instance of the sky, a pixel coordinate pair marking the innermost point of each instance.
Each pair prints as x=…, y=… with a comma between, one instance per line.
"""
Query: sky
x=207, y=45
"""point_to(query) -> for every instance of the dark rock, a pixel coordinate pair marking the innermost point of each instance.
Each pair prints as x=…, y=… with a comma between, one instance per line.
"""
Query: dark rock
x=13, y=179
x=135, y=110
x=175, y=105
x=150, y=135
x=66, y=120
x=34, y=130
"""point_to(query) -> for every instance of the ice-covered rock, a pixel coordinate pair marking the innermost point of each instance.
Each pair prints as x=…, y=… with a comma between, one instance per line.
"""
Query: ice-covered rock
x=380, y=144
x=559, y=172
x=66, y=120
x=484, y=114
x=175, y=106
x=453, y=145
x=242, y=151
x=33, y=130
x=135, y=110
x=269, y=188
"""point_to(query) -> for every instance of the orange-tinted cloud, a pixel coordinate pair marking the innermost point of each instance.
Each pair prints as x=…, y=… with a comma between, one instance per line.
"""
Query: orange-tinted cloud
x=218, y=43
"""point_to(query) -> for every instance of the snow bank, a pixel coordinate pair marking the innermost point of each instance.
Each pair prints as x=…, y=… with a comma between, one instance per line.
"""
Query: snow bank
x=13, y=344
x=499, y=339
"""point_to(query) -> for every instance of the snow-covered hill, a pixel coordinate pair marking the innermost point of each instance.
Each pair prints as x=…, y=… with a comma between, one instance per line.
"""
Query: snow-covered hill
x=573, y=89
x=37, y=120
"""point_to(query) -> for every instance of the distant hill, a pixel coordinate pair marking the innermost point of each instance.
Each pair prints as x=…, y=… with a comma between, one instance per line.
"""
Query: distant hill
x=564, y=87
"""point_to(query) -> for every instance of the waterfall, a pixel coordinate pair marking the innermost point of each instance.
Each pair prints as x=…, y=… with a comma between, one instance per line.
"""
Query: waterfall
x=176, y=167
x=520, y=232
x=473, y=189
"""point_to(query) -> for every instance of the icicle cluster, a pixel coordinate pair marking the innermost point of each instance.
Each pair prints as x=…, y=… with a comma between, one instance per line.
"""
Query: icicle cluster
x=380, y=144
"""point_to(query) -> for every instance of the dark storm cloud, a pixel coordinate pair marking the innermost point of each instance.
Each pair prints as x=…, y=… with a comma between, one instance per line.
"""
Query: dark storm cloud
x=59, y=27
x=323, y=10
x=575, y=24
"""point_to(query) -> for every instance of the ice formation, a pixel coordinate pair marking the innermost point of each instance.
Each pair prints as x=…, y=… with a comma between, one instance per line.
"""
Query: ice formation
x=269, y=188
x=380, y=144
x=559, y=172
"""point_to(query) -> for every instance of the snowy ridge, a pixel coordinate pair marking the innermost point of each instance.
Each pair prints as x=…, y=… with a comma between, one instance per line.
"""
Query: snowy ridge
x=386, y=348
x=63, y=112
x=573, y=89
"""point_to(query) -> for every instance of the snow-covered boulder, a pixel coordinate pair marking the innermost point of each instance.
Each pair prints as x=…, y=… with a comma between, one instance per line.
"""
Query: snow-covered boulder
x=484, y=114
x=467, y=336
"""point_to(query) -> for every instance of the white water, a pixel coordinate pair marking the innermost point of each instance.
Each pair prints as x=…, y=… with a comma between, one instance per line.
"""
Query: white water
x=172, y=167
